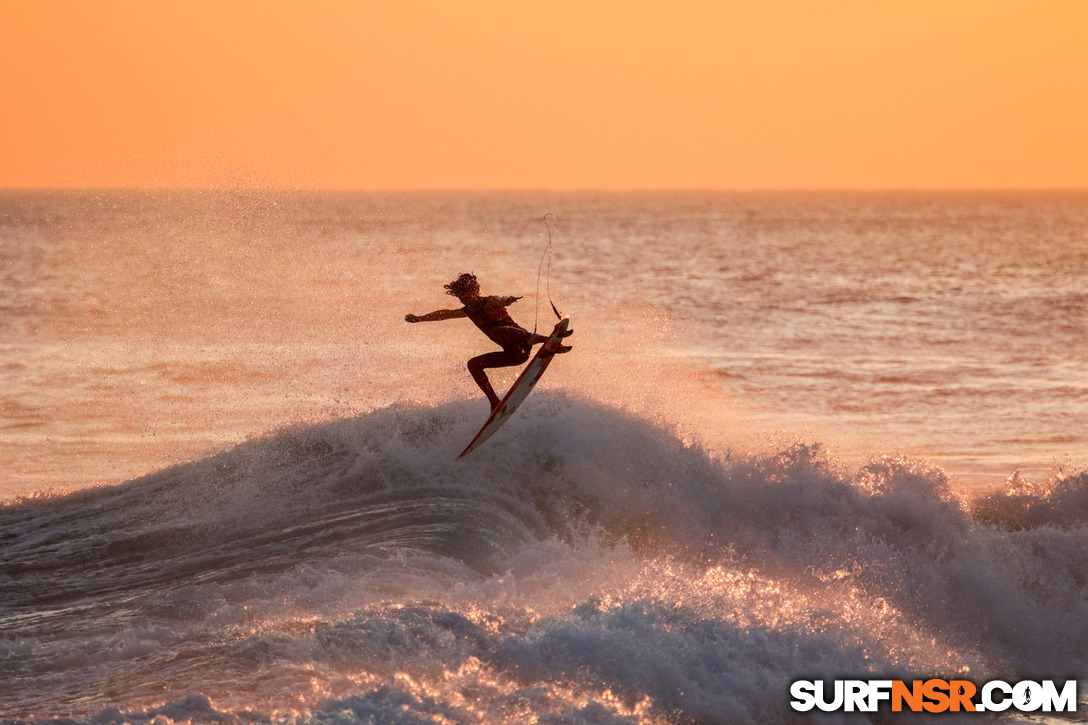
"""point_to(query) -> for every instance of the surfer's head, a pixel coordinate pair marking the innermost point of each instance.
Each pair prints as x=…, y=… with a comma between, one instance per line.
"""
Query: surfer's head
x=464, y=286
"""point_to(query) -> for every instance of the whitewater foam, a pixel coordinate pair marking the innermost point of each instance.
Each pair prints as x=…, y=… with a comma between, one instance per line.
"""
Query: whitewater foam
x=588, y=564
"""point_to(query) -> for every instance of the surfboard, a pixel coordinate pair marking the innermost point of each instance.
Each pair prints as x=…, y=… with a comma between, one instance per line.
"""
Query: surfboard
x=521, y=387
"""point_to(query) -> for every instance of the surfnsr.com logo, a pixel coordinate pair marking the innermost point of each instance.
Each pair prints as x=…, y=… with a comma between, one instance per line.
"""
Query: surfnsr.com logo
x=933, y=695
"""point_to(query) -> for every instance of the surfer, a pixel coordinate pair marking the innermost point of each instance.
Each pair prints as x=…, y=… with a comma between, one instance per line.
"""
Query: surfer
x=490, y=315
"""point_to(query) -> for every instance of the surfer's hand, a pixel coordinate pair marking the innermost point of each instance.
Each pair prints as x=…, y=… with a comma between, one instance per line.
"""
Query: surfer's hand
x=411, y=318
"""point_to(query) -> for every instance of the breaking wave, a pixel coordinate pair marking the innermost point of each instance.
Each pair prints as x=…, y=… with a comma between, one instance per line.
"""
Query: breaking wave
x=586, y=565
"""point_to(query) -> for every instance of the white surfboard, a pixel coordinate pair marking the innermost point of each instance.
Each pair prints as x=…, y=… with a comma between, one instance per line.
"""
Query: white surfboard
x=521, y=387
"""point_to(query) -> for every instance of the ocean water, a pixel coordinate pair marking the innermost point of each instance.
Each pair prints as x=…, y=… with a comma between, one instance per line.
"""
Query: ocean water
x=800, y=435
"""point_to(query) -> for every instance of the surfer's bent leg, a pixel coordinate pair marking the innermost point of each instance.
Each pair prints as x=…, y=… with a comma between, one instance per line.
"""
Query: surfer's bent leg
x=510, y=355
x=517, y=336
x=511, y=336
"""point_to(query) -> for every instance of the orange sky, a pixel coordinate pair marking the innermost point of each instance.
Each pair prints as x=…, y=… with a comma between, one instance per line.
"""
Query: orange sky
x=562, y=94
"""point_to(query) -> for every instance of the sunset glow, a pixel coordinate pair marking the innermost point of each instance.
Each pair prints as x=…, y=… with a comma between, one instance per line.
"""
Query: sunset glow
x=563, y=94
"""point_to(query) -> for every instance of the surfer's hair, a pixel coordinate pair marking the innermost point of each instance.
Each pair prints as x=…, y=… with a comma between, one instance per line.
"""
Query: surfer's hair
x=465, y=284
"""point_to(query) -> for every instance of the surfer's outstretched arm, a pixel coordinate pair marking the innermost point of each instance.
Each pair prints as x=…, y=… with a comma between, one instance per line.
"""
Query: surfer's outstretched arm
x=436, y=316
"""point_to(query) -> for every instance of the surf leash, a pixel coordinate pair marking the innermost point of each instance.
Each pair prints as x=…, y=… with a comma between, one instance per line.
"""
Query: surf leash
x=550, y=222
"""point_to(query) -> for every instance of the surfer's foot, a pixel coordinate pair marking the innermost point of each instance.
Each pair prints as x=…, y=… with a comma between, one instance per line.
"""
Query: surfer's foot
x=495, y=403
